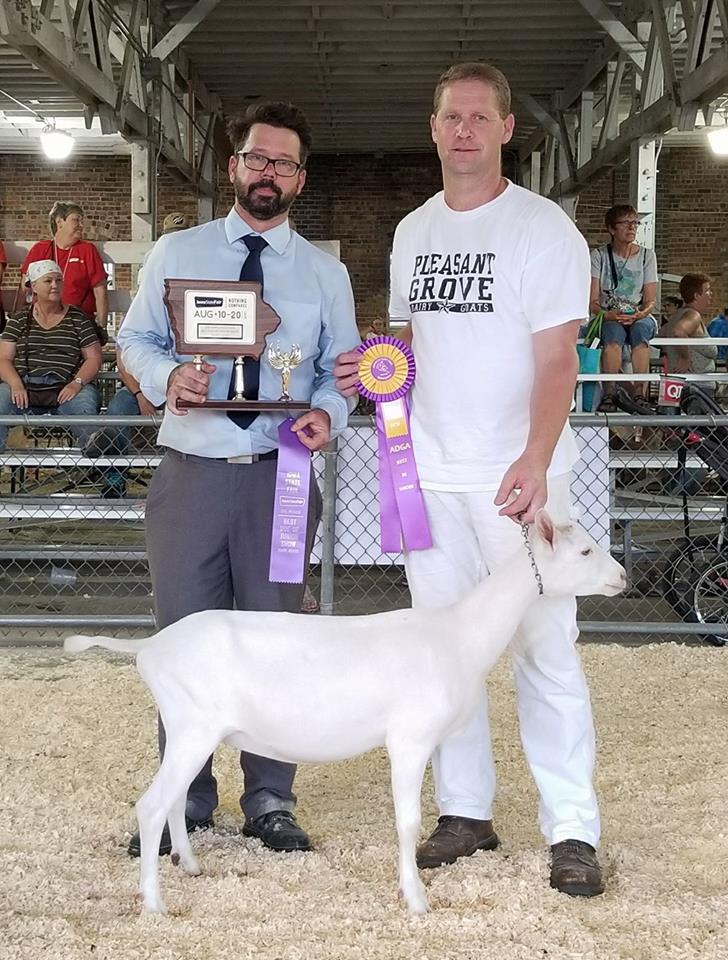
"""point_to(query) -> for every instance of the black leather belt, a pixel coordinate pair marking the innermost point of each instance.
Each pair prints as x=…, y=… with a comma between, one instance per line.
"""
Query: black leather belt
x=243, y=458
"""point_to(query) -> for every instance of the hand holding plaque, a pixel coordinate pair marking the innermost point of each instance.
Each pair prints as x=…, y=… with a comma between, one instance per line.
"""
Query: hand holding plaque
x=229, y=318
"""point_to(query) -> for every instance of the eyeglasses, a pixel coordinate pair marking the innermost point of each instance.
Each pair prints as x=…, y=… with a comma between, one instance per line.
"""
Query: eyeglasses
x=256, y=161
x=627, y=223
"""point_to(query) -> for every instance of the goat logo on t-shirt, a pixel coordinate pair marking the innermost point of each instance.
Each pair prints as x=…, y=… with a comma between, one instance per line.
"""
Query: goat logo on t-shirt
x=452, y=282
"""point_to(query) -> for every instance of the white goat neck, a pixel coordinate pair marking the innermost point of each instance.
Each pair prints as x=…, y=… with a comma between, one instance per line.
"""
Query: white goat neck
x=492, y=613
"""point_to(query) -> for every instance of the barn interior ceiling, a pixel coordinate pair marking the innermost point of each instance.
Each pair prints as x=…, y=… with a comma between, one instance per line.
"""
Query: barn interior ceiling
x=166, y=72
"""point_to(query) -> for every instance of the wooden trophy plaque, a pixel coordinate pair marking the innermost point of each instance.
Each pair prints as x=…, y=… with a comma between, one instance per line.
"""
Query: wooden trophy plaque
x=228, y=318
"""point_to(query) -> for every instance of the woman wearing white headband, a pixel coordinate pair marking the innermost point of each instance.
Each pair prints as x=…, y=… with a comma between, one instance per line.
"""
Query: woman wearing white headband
x=48, y=355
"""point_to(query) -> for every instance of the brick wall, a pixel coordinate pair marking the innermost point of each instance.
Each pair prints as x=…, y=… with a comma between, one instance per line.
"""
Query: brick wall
x=364, y=198
x=692, y=221
x=597, y=198
x=691, y=229
x=360, y=199
x=29, y=187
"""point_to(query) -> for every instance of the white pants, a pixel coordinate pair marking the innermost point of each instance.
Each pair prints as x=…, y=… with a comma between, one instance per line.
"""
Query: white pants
x=554, y=710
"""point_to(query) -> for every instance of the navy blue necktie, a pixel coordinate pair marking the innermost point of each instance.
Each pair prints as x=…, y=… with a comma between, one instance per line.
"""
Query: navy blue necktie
x=251, y=270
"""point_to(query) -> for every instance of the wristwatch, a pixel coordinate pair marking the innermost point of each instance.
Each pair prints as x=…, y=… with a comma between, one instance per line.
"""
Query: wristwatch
x=79, y=381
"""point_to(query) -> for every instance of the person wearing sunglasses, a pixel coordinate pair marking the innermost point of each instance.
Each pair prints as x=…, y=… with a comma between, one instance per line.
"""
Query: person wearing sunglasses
x=624, y=288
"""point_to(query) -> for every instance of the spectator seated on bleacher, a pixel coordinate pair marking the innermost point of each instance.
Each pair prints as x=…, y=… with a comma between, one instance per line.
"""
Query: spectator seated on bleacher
x=624, y=287
x=48, y=355
x=3, y=265
x=129, y=401
x=670, y=306
x=688, y=323
x=718, y=327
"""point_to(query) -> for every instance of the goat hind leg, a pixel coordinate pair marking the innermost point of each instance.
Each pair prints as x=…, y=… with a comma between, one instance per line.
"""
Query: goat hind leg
x=408, y=764
x=184, y=755
x=181, y=846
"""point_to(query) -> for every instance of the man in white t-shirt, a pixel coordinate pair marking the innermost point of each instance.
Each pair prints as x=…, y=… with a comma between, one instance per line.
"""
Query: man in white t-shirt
x=494, y=281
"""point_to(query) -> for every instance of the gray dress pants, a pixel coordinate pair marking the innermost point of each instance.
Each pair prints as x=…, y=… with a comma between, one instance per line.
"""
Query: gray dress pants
x=208, y=532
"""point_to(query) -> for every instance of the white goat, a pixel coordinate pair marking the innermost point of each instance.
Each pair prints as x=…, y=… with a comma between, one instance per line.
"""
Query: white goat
x=308, y=690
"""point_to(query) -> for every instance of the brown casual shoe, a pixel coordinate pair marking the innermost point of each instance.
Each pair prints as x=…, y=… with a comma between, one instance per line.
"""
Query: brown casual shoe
x=575, y=869
x=455, y=837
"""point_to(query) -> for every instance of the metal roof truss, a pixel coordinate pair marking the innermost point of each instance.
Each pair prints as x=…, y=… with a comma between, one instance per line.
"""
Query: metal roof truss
x=103, y=52
x=656, y=73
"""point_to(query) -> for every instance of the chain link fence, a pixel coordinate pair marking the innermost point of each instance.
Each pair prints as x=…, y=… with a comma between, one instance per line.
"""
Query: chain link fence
x=72, y=526
x=652, y=490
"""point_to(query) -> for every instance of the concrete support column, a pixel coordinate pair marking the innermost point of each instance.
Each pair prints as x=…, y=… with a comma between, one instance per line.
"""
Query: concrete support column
x=143, y=190
x=534, y=172
x=643, y=188
x=206, y=205
x=143, y=199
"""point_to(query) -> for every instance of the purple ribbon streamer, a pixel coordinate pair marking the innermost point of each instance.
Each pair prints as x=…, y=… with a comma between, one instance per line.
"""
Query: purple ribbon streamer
x=389, y=528
x=402, y=515
x=290, y=510
x=402, y=509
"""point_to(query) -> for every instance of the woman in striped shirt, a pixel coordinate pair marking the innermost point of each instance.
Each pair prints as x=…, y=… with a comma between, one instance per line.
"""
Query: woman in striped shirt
x=48, y=355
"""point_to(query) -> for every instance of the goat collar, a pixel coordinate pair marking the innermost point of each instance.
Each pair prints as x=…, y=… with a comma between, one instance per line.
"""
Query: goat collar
x=529, y=551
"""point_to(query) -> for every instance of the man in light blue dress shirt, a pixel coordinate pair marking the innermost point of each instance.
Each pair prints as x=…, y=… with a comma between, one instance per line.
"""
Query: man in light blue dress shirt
x=210, y=505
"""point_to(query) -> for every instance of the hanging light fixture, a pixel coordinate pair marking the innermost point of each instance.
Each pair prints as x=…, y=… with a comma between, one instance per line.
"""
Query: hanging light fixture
x=718, y=136
x=718, y=141
x=56, y=144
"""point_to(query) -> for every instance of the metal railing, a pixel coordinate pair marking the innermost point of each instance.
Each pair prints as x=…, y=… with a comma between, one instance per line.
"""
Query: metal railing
x=72, y=534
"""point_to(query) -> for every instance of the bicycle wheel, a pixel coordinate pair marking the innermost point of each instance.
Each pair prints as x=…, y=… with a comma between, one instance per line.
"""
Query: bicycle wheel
x=697, y=585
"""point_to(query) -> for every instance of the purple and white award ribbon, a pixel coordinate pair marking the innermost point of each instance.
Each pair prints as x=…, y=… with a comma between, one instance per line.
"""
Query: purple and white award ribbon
x=290, y=509
x=386, y=373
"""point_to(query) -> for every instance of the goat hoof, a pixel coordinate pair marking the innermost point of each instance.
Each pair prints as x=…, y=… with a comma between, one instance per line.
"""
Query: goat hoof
x=418, y=909
x=416, y=903
x=154, y=905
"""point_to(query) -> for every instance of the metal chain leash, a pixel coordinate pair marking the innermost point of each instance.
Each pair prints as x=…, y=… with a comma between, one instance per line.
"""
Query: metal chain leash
x=529, y=551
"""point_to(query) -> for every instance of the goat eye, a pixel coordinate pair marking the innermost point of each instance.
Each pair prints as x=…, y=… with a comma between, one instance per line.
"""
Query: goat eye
x=585, y=553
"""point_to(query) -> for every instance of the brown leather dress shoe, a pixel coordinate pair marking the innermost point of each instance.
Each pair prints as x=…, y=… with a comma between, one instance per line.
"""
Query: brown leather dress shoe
x=455, y=837
x=575, y=869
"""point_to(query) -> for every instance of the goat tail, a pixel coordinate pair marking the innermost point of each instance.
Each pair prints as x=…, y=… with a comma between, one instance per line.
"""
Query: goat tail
x=78, y=643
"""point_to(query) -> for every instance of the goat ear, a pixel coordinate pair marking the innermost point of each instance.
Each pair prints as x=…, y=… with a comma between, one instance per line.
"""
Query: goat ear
x=545, y=528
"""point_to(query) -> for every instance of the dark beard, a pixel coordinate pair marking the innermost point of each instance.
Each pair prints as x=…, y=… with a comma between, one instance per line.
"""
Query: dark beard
x=264, y=208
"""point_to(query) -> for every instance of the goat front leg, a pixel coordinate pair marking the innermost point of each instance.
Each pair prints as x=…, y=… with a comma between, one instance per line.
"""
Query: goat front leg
x=408, y=763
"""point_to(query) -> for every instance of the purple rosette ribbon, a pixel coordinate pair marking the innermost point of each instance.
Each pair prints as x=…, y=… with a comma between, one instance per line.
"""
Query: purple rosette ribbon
x=290, y=508
x=386, y=374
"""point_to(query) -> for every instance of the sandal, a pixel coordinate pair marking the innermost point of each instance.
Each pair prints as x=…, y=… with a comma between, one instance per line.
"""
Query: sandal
x=634, y=405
